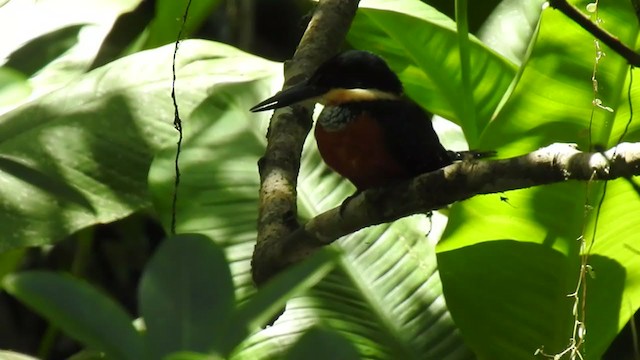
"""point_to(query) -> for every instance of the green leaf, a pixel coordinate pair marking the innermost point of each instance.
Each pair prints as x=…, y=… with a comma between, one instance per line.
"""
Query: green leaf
x=99, y=135
x=10, y=355
x=42, y=50
x=484, y=283
x=126, y=28
x=613, y=295
x=43, y=182
x=79, y=310
x=322, y=344
x=14, y=88
x=428, y=62
x=510, y=28
x=88, y=355
x=464, y=44
x=52, y=53
x=186, y=296
x=185, y=355
x=169, y=17
x=552, y=102
x=10, y=261
x=270, y=299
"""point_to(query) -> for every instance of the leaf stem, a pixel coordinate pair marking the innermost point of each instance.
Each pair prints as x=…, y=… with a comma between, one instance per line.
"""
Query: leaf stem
x=468, y=118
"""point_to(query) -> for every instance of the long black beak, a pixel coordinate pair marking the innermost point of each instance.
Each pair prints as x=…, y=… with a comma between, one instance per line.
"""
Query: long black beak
x=288, y=97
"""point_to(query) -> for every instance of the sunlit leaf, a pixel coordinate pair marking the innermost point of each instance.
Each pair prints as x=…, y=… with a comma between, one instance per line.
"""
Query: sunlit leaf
x=552, y=102
x=11, y=355
x=99, y=134
x=427, y=59
x=14, y=88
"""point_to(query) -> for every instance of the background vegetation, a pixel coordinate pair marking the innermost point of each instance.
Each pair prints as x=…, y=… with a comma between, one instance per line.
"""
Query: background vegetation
x=87, y=154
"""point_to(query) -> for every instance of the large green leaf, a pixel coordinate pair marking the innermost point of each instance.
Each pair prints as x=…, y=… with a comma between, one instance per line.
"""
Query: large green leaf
x=42, y=50
x=428, y=62
x=510, y=27
x=552, y=102
x=10, y=355
x=10, y=261
x=186, y=297
x=168, y=20
x=385, y=299
x=52, y=51
x=322, y=344
x=81, y=311
x=98, y=135
x=484, y=284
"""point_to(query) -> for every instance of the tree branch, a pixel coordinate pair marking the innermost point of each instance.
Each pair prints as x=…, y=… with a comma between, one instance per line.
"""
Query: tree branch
x=288, y=129
x=457, y=182
x=611, y=41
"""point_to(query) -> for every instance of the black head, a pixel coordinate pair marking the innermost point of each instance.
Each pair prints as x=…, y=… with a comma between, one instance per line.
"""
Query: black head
x=353, y=69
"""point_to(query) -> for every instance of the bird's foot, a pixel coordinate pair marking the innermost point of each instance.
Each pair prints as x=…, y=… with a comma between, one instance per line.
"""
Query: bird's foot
x=346, y=202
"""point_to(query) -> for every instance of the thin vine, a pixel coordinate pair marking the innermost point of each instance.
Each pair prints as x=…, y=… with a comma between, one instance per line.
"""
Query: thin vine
x=177, y=121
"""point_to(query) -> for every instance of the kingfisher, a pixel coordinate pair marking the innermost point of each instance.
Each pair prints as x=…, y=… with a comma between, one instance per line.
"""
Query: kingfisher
x=368, y=132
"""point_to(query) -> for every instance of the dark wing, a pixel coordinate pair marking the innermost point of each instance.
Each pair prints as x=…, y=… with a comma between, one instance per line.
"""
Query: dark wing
x=410, y=136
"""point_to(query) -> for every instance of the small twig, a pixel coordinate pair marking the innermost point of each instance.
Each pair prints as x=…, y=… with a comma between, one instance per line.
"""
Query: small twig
x=611, y=41
x=460, y=181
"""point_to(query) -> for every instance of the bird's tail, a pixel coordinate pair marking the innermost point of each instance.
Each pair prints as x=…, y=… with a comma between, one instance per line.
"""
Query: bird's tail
x=469, y=155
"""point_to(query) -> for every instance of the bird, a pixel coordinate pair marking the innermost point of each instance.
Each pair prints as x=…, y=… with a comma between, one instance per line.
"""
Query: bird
x=369, y=131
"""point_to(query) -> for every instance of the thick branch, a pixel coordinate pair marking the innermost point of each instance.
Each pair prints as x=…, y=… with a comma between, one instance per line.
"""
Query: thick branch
x=457, y=182
x=611, y=41
x=289, y=128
